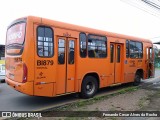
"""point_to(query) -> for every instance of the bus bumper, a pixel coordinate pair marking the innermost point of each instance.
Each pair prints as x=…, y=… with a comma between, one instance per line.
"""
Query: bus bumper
x=26, y=88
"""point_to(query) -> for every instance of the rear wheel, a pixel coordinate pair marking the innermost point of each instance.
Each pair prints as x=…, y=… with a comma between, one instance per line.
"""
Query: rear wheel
x=2, y=81
x=137, y=79
x=89, y=87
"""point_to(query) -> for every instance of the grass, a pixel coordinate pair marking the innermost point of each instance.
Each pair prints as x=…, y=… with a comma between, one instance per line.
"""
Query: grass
x=157, y=68
x=158, y=93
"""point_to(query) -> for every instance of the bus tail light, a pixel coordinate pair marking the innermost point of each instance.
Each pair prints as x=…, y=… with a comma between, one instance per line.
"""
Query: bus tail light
x=25, y=72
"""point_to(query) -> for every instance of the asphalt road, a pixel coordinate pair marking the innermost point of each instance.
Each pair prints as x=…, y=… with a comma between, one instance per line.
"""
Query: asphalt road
x=11, y=100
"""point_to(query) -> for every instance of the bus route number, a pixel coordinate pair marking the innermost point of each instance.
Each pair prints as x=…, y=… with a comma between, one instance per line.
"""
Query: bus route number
x=44, y=62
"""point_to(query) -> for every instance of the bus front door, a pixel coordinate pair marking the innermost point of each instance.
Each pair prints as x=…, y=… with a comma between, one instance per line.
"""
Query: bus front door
x=65, y=82
x=150, y=62
x=116, y=62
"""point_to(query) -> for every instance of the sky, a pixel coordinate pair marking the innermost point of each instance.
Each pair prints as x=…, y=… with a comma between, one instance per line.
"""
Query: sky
x=109, y=15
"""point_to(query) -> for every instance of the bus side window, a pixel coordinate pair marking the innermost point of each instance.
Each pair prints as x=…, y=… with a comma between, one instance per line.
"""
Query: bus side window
x=147, y=53
x=111, y=53
x=44, y=41
x=71, y=52
x=61, y=51
x=118, y=54
x=139, y=46
x=97, y=46
x=127, y=48
x=91, y=54
x=136, y=49
x=83, y=45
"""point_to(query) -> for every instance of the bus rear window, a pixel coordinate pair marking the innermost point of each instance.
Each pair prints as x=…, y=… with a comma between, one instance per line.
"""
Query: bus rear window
x=15, y=38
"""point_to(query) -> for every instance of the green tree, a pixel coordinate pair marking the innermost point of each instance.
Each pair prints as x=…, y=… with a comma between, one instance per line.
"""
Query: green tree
x=157, y=59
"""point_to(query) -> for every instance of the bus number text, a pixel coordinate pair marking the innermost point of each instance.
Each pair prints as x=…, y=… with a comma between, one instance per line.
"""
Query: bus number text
x=44, y=62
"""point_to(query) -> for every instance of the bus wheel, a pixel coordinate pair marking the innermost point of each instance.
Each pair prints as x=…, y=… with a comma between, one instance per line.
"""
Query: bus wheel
x=89, y=87
x=137, y=80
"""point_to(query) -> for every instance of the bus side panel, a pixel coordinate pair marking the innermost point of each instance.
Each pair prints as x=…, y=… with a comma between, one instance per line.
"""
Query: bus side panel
x=130, y=70
x=28, y=56
x=45, y=69
x=26, y=88
x=93, y=65
x=44, y=90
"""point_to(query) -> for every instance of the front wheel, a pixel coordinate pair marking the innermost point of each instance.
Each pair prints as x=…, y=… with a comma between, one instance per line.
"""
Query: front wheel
x=89, y=87
x=137, y=80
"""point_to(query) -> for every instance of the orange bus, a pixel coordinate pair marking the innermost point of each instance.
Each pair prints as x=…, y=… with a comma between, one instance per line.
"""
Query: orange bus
x=51, y=58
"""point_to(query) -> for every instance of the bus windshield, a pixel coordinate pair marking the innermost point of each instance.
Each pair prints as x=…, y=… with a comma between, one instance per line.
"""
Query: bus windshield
x=15, y=38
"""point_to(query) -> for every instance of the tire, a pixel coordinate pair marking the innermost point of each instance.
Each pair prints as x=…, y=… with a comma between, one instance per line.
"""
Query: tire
x=2, y=81
x=89, y=87
x=137, y=80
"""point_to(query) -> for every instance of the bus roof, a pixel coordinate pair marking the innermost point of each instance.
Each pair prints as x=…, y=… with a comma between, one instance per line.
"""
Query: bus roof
x=84, y=29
